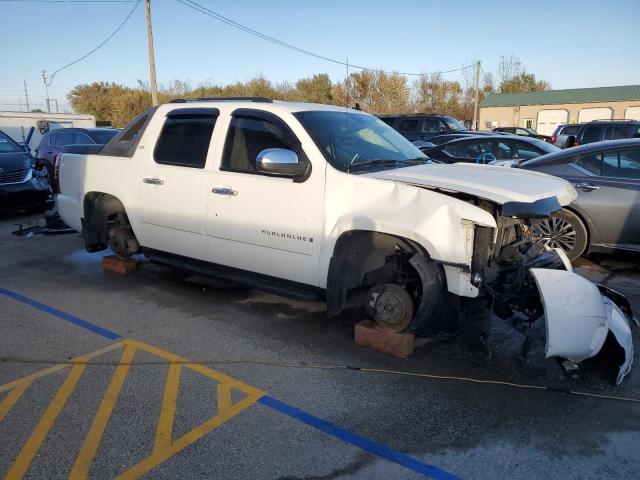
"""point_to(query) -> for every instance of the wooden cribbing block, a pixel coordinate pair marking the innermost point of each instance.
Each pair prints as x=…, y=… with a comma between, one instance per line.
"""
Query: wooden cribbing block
x=396, y=344
x=115, y=264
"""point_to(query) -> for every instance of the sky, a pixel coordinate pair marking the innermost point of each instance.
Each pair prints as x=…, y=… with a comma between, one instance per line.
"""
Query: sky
x=571, y=44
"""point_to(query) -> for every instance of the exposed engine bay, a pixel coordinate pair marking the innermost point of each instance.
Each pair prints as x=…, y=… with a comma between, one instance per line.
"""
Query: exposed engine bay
x=528, y=282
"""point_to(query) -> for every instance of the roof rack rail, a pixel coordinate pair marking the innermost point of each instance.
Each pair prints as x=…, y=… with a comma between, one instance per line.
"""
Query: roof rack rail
x=221, y=99
x=613, y=120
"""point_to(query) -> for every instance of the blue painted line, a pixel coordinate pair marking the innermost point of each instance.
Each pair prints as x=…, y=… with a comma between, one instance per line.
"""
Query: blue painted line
x=361, y=442
x=60, y=314
x=293, y=412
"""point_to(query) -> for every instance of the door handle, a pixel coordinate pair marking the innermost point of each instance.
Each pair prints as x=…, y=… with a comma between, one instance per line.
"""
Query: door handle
x=586, y=186
x=224, y=191
x=153, y=181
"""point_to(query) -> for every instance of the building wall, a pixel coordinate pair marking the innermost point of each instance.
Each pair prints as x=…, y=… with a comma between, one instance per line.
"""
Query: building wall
x=516, y=116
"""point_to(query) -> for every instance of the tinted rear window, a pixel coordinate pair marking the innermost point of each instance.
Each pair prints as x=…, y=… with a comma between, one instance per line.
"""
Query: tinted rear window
x=571, y=130
x=184, y=140
x=591, y=134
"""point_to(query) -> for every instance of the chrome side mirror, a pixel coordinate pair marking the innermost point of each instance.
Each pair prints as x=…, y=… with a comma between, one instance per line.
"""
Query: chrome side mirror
x=281, y=162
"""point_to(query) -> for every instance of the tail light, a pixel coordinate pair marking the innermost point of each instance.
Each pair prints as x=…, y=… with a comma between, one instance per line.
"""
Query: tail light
x=554, y=139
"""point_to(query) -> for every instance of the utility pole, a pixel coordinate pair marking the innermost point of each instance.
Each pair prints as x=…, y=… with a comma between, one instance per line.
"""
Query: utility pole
x=152, y=62
x=56, y=100
x=475, y=108
x=26, y=95
x=46, y=89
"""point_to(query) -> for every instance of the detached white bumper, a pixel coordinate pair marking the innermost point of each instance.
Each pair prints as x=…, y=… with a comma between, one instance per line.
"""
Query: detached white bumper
x=579, y=318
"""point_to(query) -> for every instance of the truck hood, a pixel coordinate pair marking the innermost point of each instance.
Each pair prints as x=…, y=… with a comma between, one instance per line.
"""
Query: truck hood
x=498, y=184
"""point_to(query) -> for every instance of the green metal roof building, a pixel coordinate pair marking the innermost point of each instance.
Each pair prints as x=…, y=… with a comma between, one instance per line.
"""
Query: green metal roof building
x=543, y=111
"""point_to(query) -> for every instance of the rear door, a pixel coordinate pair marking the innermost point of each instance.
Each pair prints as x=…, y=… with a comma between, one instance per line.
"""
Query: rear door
x=431, y=127
x=409, y=128
x=173, y=183
x=608, y=186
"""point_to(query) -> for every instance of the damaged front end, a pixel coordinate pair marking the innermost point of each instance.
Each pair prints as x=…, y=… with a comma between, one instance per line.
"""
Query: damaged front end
x=528, y=280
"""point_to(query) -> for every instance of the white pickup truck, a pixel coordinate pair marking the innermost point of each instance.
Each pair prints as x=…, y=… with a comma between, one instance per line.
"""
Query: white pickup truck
x=317, y=201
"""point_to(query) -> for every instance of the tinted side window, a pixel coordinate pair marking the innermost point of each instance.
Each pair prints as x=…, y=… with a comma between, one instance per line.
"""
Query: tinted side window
x=408, y=125
x=591, y=162
x=431, y=125
x=622, y=163
x=246, y=138
x=473, y=149
x=184, y=140
x=388, y=120
x=626, y=131
x=83, y=139
x=570, y=130
x=67, y=138
x=591, y=134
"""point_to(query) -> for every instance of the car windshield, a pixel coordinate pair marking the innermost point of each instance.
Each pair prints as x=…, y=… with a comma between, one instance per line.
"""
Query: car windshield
x=348, y=140
x=7, y=145
x=454, y=124
x=547, y=147
x=103, y=136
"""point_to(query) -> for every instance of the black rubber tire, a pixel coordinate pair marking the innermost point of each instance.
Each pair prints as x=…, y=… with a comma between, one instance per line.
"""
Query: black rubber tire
x=440, y=311
x=582, y=236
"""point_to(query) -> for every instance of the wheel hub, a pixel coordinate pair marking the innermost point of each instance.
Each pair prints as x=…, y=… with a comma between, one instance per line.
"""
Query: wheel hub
x=393, y=307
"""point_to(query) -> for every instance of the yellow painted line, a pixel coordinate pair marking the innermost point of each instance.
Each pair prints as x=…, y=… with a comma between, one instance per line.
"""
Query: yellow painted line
x=92, y=440
x=224, y=397
x=11, y=398
x=31, y=447
x=164, y=432
x=164, y=444
x=160, y=456
x=57, y=368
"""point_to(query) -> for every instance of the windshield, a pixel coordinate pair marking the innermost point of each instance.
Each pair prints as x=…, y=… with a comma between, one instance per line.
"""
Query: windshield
x=547, y=147
x=454, y=124
x=103, y=136
x=349, y=139
x=7, y=145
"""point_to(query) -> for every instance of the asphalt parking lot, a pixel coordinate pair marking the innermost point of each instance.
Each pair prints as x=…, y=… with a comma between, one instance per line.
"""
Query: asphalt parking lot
x=253, y=405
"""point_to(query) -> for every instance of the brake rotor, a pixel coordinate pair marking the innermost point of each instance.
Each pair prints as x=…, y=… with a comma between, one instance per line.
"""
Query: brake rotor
x=393, y=307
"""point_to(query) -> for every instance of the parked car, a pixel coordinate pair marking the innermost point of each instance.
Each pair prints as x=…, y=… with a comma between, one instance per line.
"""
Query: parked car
x=600, y=130
x=54, y=142
x=423, y=126
x=489, y=148
x=523, y=132
x=564, y=133
x=606, y=215
x=21, y=187
x=440, y=139
x=318, y=201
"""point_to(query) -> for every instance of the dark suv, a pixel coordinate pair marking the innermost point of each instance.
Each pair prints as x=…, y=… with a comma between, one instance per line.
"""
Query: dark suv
x=600, y=130
x=423, y=126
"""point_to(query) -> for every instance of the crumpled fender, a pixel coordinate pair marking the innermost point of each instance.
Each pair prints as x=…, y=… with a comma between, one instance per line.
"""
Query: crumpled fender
x=578, y=318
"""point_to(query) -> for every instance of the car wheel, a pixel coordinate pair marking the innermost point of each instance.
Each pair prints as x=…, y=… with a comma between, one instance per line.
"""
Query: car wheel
x=564, y=230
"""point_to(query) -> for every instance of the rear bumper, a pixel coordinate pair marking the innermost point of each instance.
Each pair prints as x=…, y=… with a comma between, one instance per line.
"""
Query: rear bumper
x=33, y=193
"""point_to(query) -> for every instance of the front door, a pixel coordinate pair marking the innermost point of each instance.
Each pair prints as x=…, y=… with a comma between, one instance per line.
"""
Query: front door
x=173, y=183
x=260, y=223
x=608, y=186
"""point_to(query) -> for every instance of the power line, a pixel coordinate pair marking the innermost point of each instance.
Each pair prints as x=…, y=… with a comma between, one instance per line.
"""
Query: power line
x=221, y=18
x=100, y=45
x=69, y=1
